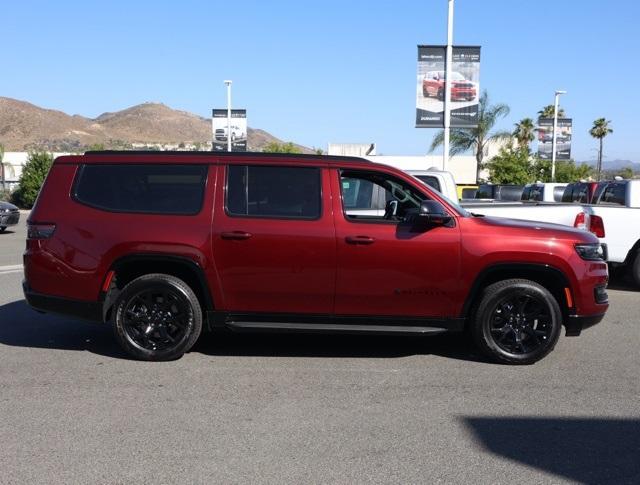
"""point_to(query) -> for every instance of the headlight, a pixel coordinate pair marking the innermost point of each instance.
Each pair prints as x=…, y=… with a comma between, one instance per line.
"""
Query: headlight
x=590, y=252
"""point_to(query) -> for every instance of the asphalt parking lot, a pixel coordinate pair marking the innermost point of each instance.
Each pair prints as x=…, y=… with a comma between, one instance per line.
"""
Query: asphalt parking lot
x=312, y=409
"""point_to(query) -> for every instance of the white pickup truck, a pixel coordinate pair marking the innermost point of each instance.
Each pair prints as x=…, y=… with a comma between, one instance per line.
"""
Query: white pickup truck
x=615, y=219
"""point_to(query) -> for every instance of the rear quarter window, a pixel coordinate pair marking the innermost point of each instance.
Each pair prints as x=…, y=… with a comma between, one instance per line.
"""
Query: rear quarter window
x=142, y=188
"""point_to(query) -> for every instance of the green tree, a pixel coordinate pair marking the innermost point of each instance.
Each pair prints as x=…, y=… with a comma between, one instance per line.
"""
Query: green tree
x=95, y=147
x=566, y=171
x=275, y=147
x=599, y=130
x=547, y=111
x=34, y=172
x=511, y=166
x=318, y=151
x=524, y=132
x=626, y=173
x=478, y=137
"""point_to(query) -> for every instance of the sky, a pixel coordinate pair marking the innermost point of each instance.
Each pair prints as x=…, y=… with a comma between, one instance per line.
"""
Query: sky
x=327, y=71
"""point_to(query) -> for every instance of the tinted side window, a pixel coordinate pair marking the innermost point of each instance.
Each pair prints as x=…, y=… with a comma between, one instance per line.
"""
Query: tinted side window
x=277, y=192
x=510, y=192
x=430, y=181
x=142, y=188
x=485, y=192
x=614, y=194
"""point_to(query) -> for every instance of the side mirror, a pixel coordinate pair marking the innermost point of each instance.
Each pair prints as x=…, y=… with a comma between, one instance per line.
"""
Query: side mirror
x=432, y=213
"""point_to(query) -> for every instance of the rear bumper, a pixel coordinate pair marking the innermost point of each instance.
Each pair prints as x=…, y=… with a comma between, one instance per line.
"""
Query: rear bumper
x=86, y=310
x=575, y=324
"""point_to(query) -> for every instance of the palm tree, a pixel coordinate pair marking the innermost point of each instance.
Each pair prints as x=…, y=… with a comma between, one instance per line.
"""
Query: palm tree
x=599, y=130
x=478, y=137
x=524, y=132
x=548, y=111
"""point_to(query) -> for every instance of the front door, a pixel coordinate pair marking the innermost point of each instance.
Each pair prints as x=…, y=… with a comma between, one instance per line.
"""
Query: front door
x=387, y=267
x=274, y=239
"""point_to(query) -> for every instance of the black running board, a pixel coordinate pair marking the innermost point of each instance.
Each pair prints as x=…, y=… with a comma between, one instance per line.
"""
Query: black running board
x=333, y=328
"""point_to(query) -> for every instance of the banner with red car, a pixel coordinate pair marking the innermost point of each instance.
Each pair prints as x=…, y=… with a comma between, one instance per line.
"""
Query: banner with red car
x=563, y=138
x=465, y=86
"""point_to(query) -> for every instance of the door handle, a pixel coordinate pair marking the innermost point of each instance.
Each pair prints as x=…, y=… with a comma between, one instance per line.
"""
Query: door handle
x=359, y=240
x=236, y=235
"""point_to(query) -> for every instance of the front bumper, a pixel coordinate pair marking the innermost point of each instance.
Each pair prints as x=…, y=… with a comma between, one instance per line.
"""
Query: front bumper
x=86, y=310
x=575, y=324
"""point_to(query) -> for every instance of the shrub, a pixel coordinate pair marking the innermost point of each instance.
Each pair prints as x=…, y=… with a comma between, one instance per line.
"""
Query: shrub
x=34, y=172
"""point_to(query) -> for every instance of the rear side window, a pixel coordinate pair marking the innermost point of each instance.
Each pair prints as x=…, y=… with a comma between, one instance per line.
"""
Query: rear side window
x=142, y=188
x=275, y=192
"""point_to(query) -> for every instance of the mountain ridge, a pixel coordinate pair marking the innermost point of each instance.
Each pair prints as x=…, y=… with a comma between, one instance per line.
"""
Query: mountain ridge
x=25, y=126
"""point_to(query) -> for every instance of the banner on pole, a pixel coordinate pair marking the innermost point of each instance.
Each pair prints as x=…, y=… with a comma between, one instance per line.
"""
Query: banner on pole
x=237, y=133
x=563, y=138
x=465, y=86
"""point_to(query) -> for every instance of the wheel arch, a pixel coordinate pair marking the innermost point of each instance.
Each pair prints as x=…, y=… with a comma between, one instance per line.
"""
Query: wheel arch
x=130, y=267
x=546, y=275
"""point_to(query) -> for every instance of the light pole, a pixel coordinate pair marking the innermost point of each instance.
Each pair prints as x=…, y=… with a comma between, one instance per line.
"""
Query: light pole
x=228, y=83
x=553, y=139
x=447, y=85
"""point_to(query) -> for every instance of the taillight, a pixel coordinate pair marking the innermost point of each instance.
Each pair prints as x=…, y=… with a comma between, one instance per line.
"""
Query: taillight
x=581, y=221
x=596, y=225
x=40, y=231
x=591, y=223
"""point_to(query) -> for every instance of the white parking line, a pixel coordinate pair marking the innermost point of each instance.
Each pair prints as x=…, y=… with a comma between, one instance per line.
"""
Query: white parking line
x=16, y=268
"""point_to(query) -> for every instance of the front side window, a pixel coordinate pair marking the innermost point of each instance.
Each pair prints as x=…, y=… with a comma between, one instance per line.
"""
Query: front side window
x=142, y=188
x=273, y=191
x=375, y=196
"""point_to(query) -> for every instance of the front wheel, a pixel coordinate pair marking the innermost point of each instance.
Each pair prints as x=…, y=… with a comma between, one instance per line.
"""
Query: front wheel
x=3, y=228
x=517, y=322
x=157, y=317
x=635, y=269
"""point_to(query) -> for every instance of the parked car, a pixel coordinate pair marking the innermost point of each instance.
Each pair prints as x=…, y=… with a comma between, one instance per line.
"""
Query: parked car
x=501, y=192
x=583, y=192
x=440, y=180
x=433, y=84
x=272, y=242
x=9, y=215
x=543, y=192
x=237, y=133
x=467, y=191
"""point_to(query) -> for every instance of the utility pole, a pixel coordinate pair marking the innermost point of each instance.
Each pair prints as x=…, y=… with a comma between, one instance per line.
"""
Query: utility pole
x=447, y=85
x=228, y=83
x=553, y=139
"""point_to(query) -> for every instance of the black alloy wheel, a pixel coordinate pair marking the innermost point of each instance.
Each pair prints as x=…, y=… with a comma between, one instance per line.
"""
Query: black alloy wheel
x=157, y=317
x=517, y=322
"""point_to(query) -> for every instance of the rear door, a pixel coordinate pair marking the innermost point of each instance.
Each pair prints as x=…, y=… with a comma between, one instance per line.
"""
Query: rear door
x=274, y=238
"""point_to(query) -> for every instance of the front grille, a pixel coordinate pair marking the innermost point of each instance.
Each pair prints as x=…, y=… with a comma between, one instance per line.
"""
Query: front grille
x=463, y=86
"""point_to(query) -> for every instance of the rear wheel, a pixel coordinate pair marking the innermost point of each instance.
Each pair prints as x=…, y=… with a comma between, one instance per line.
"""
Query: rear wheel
x=157, y=317
x=517, y=322
x=3, y=228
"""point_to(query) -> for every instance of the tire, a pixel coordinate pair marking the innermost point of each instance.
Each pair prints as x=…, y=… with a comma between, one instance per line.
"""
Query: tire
x=441, y=94
x=517, y=321
x=157, y=317
x=3, y=228
x=425, y=93
x=635, y=269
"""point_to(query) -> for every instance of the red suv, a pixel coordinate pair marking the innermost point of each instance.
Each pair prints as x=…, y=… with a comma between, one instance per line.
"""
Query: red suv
x=433, y=84
x=166, y=244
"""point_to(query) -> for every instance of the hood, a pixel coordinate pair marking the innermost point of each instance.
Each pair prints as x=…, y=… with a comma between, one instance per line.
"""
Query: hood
x=7, y=206
x=541, y=229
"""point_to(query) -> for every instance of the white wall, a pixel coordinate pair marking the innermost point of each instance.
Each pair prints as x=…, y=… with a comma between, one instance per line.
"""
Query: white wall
x=463, y=167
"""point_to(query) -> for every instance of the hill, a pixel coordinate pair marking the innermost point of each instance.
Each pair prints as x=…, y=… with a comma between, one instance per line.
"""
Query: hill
x=25, y=126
